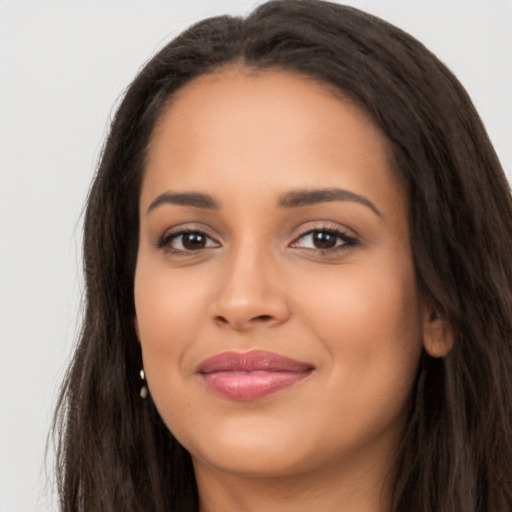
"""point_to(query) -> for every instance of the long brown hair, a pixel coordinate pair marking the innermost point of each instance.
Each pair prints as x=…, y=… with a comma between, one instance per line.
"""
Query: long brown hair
x=115, y=453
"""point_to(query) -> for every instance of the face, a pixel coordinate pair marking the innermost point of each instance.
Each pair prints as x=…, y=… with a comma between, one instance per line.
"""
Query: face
x=276, y=302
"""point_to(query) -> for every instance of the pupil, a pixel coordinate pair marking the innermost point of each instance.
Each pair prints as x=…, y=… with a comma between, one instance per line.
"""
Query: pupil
x=324, y=240
x=193, y=241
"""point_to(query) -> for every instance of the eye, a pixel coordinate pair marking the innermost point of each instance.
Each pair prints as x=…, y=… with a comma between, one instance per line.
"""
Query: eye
x=186, y=241
x=324, y=239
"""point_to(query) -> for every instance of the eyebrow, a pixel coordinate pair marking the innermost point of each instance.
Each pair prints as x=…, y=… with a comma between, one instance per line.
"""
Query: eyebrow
x=293, y=199
x=300, y=198
x=195, y=199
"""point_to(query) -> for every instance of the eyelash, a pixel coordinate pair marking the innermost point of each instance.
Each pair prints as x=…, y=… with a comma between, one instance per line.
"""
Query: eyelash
x=347, y=241
x=166, y=241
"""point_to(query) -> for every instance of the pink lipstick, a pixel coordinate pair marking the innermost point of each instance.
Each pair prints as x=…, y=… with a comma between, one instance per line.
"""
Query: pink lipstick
x=251, y=375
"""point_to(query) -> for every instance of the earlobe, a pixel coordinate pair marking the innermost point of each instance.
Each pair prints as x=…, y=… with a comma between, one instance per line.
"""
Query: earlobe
x=438, y=334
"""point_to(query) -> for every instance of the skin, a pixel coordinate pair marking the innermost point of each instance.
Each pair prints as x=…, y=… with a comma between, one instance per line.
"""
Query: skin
x=354, y=311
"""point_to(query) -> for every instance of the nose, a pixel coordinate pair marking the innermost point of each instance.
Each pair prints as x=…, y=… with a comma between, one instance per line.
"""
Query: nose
x=250, y=292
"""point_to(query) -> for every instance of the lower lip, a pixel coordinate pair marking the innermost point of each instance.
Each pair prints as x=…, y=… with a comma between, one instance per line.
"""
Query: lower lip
x=251, y=385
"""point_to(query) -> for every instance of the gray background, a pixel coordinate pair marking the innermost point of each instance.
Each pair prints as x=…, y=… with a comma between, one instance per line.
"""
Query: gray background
x=63, y=65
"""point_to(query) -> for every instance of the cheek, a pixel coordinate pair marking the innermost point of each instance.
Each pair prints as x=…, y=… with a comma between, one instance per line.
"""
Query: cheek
x=370, y=325
x=165, y=301
x=369, y=320
x=168, y=306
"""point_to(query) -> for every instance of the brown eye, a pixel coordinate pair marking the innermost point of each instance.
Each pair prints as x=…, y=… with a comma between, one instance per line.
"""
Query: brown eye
x=193, y=241
x=187, y=241
x=324, y=240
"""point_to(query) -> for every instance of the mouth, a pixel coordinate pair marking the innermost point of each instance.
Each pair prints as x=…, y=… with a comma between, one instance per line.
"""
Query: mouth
x=251, y=375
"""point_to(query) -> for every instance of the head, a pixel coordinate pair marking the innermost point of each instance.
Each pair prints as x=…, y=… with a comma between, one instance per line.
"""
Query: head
x=457, y=230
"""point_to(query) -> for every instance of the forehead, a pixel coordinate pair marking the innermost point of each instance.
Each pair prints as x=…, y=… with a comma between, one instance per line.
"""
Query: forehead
x=238, y=127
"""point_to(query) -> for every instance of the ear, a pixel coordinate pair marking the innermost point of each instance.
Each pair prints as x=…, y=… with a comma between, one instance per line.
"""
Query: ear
x=438, y=335
x=136, y=325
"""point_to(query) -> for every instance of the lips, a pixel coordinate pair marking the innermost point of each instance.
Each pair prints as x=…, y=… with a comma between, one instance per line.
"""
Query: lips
x=251, y=375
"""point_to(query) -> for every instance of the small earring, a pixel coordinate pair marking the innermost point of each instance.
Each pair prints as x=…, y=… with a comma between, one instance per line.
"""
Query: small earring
x=144, y=388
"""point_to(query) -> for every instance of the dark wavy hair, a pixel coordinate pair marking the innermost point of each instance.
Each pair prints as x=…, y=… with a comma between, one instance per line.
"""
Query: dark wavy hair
x=114, y=452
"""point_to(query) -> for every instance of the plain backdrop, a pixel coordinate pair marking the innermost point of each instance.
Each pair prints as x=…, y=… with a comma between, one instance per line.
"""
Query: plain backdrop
x=63, y=65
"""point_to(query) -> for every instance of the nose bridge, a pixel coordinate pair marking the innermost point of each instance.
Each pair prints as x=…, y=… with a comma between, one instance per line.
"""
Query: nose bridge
x=250, y=292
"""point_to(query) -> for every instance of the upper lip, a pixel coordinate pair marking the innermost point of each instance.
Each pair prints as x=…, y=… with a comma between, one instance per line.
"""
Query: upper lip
x=255, y=360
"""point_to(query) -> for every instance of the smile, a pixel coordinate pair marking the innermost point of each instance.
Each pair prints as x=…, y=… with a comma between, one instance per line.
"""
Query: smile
x=251, y=375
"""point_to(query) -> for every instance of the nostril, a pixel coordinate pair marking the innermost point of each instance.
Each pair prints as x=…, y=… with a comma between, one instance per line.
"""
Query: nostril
x=256, y=319
x=262, y=318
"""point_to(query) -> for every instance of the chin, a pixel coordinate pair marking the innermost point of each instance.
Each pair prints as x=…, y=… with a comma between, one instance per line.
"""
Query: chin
x=257, y=447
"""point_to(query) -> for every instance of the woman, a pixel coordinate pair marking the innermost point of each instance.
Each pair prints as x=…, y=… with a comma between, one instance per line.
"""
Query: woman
x=297, y=251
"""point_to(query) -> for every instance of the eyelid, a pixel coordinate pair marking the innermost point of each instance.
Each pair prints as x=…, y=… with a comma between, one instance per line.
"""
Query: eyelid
x=163, y=241
x=346, y=236
x=349, y=240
